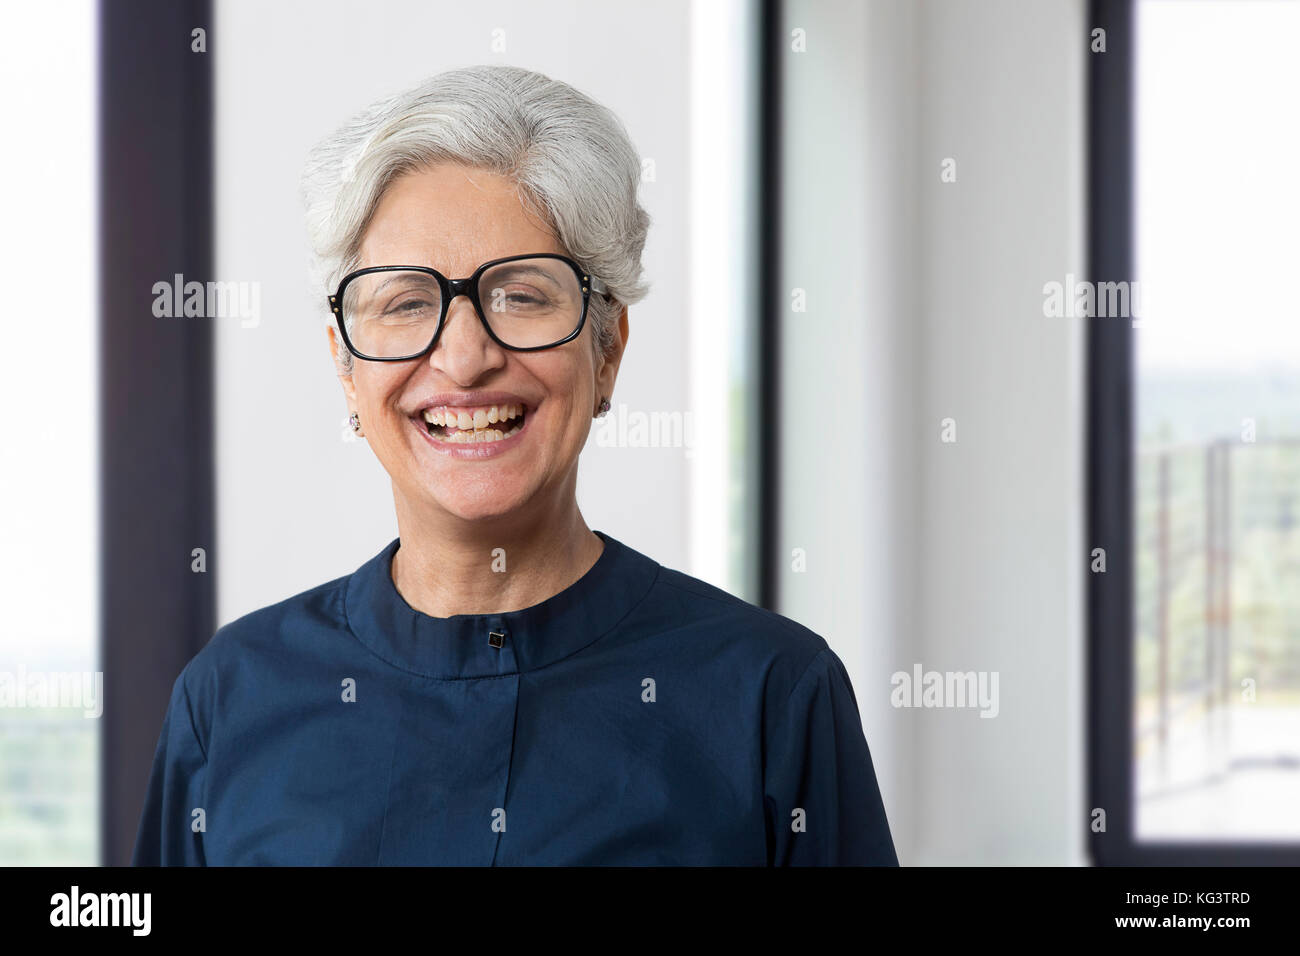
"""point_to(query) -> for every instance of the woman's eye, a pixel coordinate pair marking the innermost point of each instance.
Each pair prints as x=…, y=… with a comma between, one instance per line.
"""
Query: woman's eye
x=526, y=298
x=410, y=307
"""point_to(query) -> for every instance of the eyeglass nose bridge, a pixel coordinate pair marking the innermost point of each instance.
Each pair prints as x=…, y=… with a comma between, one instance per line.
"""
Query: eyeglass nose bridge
x=459, y=287
x=467, y=287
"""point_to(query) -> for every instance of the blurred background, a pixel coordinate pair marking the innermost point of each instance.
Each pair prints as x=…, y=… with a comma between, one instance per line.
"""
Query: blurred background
x=876, y=385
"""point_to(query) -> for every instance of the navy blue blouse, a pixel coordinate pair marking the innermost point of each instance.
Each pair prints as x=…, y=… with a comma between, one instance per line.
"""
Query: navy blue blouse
x=640, y=716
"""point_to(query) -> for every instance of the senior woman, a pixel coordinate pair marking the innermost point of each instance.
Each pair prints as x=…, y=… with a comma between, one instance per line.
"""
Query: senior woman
x=500, y=684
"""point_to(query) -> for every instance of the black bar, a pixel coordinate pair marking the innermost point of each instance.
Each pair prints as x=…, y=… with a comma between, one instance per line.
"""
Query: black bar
x=155, y=421
x=1031, y=903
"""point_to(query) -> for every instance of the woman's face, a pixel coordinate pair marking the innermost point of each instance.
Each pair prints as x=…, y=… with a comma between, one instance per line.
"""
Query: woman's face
x=454, y=218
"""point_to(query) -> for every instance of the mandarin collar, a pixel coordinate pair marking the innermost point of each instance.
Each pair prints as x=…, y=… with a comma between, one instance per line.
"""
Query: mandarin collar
x=464, y=646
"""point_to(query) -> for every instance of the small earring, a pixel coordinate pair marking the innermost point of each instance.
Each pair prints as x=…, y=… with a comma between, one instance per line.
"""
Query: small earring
x=355, y=421
x=604, y=407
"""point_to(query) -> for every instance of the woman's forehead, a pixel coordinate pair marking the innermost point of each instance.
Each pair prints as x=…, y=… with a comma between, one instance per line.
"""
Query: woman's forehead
x=452, y=220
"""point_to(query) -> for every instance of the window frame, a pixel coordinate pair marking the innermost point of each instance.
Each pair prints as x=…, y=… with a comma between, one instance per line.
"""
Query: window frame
x=1111, y=384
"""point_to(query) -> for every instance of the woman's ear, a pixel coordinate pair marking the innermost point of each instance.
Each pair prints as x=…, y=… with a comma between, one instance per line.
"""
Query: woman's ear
x=607, y=372
x=345, y=378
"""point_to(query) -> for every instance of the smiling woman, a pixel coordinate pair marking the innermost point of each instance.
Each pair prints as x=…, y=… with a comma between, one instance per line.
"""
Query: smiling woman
x=501, y=684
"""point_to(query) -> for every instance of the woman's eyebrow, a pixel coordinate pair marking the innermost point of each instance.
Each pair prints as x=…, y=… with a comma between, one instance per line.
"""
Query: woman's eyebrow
x=513, y=271
x=398, y=277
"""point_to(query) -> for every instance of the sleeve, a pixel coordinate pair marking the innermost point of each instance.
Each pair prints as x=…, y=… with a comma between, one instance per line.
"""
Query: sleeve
x=176, y=785
x=821, y=800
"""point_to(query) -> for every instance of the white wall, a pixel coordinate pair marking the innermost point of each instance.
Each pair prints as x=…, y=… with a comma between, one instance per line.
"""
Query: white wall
x=849, y=439
x=298, y=504
x=925, y=302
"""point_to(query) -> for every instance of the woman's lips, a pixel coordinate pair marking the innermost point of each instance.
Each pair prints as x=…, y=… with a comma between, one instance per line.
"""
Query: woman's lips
x=483, y=437
x=464, y=424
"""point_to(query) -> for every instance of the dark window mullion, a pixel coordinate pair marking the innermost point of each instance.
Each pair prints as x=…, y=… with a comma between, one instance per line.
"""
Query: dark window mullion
x=155, y=414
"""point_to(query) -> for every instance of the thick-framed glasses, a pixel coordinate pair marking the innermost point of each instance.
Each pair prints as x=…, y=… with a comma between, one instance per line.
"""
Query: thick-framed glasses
x=526, y=303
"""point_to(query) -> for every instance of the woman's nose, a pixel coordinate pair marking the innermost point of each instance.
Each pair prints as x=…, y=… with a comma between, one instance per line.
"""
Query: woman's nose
x=464, y=350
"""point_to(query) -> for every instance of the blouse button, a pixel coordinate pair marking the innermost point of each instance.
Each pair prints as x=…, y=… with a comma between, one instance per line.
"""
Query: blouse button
x=496, y=638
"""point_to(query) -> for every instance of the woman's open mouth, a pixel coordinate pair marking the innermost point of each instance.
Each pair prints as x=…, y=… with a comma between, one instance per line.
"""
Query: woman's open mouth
x=465, y=424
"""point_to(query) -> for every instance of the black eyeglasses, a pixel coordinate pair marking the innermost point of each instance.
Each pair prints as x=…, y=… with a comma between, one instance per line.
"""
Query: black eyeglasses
x=526, y=303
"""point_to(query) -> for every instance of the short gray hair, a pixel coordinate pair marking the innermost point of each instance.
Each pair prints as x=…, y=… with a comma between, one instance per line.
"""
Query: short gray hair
x=571, y=158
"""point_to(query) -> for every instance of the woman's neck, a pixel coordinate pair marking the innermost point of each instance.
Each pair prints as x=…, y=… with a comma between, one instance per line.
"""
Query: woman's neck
x=444, y=568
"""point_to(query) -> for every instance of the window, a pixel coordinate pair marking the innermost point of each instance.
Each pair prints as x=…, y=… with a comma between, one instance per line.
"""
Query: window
x=1217, y=423
x=1194, y=435
x=49, y=564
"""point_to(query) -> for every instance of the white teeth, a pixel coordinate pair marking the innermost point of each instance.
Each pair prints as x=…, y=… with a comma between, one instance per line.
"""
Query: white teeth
x=472, y=426
x=478, y=418
x=470, y=437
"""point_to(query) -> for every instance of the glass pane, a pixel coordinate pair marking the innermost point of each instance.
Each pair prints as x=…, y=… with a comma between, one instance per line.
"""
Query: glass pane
x=1217, y=483
x=531, y=302
x=49, y=567
x=390, y=314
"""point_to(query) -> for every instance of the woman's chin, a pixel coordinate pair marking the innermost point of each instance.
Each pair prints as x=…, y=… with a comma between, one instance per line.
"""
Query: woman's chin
x=479, y=507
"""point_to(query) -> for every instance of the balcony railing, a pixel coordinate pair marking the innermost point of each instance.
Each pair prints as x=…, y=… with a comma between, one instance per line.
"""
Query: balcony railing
x=1218, y=584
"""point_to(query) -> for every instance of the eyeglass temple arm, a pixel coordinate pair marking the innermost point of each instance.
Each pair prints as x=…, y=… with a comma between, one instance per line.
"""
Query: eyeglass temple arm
x=598, y=286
